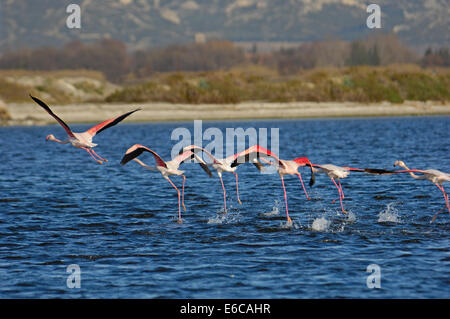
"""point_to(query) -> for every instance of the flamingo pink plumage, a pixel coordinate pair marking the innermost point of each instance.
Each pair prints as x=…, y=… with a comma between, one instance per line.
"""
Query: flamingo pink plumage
x=433, y=175
x=82, y=140
x=338, y=172
x=165, y=168
x=227, y=164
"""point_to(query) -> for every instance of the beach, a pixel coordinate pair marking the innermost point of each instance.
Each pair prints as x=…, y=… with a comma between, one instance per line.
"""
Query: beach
x=32, y=114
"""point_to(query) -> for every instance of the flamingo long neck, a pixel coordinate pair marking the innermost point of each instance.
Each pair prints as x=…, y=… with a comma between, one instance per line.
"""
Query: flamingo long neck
x=58, y=141
x=411, y=173
x=150, y=168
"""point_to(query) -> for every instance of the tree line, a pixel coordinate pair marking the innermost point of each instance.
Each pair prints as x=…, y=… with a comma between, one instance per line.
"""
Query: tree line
x=118, y=64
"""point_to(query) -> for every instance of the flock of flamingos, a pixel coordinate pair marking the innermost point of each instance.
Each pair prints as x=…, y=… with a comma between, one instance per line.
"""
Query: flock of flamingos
x=256, y=155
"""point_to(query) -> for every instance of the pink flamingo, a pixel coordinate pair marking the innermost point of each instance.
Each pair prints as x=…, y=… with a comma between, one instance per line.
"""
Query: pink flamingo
x=165, y=168
x=225, y=164
x=284, y=167
x=82, y=140
x=433, y=175
x=339, y=172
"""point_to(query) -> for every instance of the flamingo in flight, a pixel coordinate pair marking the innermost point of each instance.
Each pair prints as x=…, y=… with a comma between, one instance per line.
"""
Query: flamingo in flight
x=336, y=173
x=433, y=175
x=225, y=164
x=339, y=172
x=284, y=167
x=82, y=140
x=165, y=168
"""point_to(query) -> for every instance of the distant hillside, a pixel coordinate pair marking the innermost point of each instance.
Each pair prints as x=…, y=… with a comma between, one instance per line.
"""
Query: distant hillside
x=145, y=23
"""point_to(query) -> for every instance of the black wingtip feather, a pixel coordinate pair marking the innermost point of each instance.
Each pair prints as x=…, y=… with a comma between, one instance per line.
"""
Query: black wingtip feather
x=312, y=180
x=117, y=120
x=377, y=171
x=206, y=169
x=128, y=157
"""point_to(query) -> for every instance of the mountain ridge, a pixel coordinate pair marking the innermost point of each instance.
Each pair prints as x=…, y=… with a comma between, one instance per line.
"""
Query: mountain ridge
x=149, y=23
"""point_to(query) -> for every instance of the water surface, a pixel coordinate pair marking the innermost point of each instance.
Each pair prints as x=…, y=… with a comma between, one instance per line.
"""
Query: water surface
x=58, y=207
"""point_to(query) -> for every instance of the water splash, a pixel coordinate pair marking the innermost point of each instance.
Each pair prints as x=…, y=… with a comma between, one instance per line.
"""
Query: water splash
x=275, y=209
x=289, y=225
x=218, y=219
x=320, y=224
x=351, y=218
x=389, y=215
x=232, y=216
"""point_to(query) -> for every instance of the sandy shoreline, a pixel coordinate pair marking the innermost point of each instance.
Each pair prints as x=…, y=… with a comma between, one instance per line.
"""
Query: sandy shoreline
x=31, y=114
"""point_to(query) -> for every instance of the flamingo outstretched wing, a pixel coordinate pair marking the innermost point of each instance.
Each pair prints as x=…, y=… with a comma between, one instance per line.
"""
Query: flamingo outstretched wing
x=185, y=155
x=389, y=172
x=195, y=149
x=136, y=150
x=49, y=111
x=353, y=169
x=108, y=123
x=251, y=153
x=377, y=171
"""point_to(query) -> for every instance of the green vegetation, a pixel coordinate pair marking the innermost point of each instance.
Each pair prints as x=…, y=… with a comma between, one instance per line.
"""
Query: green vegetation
x=395, y=84
x=366, y=84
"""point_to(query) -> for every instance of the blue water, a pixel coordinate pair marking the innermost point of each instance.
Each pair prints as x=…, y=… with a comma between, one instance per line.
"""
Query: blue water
x=58, y=207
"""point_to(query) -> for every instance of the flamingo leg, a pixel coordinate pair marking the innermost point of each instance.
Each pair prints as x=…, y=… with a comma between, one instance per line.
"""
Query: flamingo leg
x=182, y=196
x=179, y=206
x=304, y=189
x=340, y=196
x=237, y=188
x=441, y=187
x=285, y=200
x=89, y=151
x=101, y=158
x=436, y=215
x=224, y=194
x=342, y=191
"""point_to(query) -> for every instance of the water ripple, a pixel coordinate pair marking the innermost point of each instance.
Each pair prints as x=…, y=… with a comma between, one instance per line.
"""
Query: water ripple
x=119, y=224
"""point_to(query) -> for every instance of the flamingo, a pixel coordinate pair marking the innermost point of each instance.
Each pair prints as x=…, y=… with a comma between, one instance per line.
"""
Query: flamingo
x=433, y=175
x=284, y=167
x=82, y=140
x=339, y=172
x=225, y=164
x=165, y=168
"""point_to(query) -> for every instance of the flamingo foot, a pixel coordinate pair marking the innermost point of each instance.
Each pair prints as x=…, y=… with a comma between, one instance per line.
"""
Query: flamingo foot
x=239, y=201
x=289, y=220
x=436, y=215
x=184, y=207
x=344, y=212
